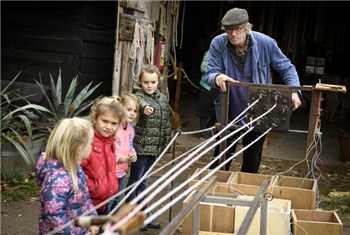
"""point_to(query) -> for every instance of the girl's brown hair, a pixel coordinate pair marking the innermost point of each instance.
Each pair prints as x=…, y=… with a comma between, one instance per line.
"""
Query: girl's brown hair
x=150, y=68
x=107, y=104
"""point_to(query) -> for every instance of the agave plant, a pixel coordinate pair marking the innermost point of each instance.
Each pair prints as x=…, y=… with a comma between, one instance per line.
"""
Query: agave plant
x=17, y=121
x=70, y=105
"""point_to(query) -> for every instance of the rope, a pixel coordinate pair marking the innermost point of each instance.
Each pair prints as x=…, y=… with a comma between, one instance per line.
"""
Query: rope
x=164, y=208
x=162, y=20
x=136, y=53
x=182, y=25
x=150, y=44
x=188, y=79
x=175, y=22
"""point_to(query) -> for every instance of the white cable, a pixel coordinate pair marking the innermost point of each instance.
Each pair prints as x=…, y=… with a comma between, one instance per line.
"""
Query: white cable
x=186, y=192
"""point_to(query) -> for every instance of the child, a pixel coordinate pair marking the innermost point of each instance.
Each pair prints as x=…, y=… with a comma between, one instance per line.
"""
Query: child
x=99, y=167
x=124, y=142
x=64, y=194
x=152, y=131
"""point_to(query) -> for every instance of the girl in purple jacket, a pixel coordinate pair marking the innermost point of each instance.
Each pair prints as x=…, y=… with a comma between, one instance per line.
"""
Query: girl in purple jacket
x=64, y=194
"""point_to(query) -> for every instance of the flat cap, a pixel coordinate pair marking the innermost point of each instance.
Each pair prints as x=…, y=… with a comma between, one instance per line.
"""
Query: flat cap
x=235, y=16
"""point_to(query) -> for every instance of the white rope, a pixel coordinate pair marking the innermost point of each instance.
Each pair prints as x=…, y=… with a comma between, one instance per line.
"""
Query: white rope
x=182, y=25
x=135, y=42
x=185, y=193
x=150, y=44
x=183, y=184
x=136, y=52
x=162, y=20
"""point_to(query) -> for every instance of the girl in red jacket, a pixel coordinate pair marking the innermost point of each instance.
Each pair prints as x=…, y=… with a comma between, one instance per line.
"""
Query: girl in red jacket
x=100, y=166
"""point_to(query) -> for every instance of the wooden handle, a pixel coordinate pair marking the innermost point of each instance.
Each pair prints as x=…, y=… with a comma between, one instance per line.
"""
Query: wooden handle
x=330, y=87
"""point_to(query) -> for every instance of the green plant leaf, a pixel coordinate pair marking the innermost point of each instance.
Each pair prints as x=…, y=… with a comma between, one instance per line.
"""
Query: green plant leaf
x=28, y=106
x=4, y=90
x=22, y=149
x=28, y=126
x=69, y=96
x=81, y=97
x=41, y=86
x=83, y=107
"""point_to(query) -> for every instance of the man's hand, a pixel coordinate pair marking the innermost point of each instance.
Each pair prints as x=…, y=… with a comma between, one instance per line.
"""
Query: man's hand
x=220, y=81
x=295, y=100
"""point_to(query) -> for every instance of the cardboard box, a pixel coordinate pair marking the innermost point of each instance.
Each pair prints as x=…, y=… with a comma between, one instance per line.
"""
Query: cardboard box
x=224, y=177
x=315, y=222
x=211, y=216
x=247, y=183
x=278, y=217
x=301, y=191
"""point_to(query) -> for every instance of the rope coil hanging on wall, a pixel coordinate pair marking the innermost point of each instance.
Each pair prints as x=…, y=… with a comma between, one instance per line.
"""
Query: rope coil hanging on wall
x=150, y=43
x=136, y=53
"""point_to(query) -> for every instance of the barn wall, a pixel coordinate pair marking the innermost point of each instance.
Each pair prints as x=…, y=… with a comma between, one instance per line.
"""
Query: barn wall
x=40, y=37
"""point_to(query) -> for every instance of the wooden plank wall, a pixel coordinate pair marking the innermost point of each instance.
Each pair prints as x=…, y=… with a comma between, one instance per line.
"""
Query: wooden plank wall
x=40, y=37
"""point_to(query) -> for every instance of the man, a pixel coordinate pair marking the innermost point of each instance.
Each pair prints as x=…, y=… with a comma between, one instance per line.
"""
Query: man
x=244, y=55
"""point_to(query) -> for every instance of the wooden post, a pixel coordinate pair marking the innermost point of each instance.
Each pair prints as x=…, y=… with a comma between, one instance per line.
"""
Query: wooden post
x=315, y=109
x=224, y=120
x=177, y=97
x=178, y=87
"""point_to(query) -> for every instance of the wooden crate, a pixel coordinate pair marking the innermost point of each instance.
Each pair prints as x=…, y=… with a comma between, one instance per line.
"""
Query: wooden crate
x=278, y=217
x=247, y=183
x=224, y=177
x=302, y=192
x=315, y=222
x=211, y=215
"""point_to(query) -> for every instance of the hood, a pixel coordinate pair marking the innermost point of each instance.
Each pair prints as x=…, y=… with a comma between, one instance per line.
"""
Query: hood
x=136, y=87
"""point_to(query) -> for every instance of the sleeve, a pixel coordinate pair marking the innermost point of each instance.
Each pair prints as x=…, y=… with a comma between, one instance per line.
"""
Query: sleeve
x=142, y=100
x=283, y=66
x=132, y=136
x=215, y=62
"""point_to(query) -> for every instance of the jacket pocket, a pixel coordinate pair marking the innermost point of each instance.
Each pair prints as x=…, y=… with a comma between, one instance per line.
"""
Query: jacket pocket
x=94, y=189
x=263, y=74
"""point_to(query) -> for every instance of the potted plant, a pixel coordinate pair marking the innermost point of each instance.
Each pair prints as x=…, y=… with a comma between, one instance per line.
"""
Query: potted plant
x=17, y=137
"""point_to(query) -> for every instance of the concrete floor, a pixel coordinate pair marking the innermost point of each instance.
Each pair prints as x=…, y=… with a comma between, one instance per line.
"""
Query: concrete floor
x=286, y=145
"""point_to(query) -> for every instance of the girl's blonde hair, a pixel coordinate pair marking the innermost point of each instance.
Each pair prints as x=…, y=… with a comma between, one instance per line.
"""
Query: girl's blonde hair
x=132, y=97
x=150, y=68
x=69, y=143
x=107, y=104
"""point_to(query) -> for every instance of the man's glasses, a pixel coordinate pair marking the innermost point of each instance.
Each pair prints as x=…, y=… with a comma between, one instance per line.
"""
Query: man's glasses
x=237, y=30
